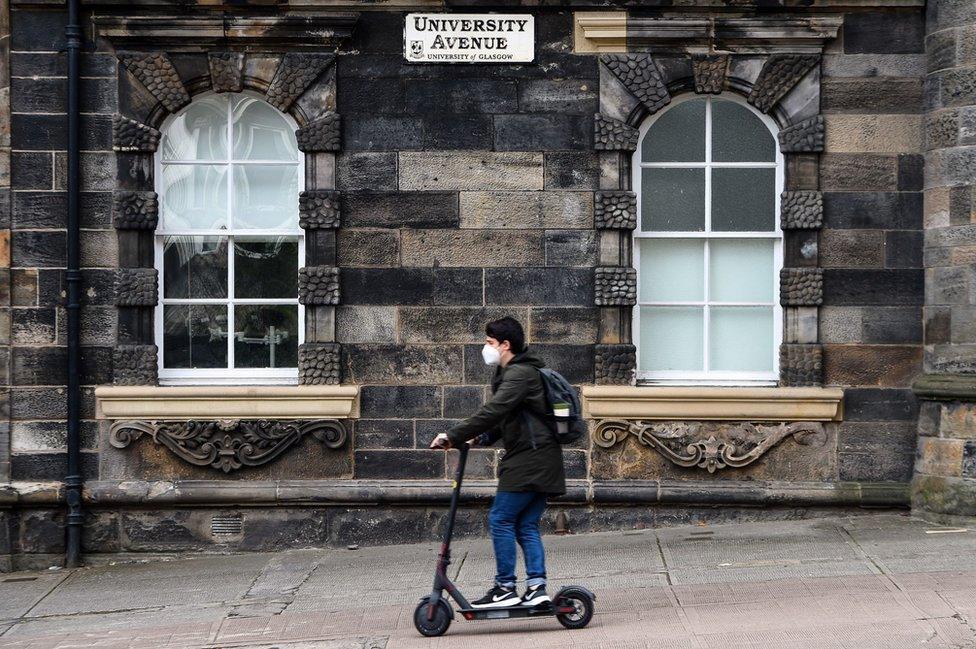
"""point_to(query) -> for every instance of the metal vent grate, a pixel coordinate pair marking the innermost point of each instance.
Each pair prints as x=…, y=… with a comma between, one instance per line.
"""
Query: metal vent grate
x=226, y=524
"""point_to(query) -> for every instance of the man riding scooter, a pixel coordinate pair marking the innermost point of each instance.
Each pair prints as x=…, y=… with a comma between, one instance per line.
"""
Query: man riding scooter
x=530, y=471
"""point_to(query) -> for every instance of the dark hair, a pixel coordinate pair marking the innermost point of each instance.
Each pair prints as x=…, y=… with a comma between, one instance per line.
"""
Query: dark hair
x=509, y=329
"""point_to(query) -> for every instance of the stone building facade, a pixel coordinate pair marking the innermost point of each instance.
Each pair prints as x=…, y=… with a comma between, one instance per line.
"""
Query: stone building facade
x=385, y=210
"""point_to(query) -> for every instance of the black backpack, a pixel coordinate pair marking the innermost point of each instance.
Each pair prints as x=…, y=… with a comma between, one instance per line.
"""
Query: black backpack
x=559, y=390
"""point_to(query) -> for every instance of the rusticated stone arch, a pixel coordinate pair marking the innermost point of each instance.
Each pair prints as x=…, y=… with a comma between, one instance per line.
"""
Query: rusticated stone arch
x=785, y=86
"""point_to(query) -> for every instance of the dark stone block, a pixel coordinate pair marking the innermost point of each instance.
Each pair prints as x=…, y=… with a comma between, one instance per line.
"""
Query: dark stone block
x=871, y=467
x=428, y=429
x=383, y=433
x=568, y=96
x=453, y=131
x=30, y=170
x=884, y=33
x=399, y=401
x=32, y=326
x=880, y=404
x=564, y=325
x=801, y=248
x=398, y=464
x=411, y=286
x=41, y=532
x=571, y=248
x=480, y=464
x=969, y=460
x=373, y=526
x=873, y=287
x=31, y=132
x=378, y=32
x=865, y=210
x=320, y=248
x=100, y=532
x=876, y=95
x=405, y=364
x=400, y=209
x=271, y=530
x=381, y=133
x=462, y=400
x=903, y=249
x=47, y=365
x=575, y=362
x=574, y=463
x=28, y=403
x=38, y=467
x=50, y=64
x=539, y=286
x=937, y=325
x=893, y=325
x=543, y=132
x=461, y=97
x=38, y=249
x=163, y=531
x=376, y=96
x=39, y=210
x=375, y=172
x=910, y=172
x=41, y=31
x=571, y=170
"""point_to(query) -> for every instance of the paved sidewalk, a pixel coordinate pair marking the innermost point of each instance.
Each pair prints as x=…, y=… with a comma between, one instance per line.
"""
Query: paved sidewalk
x=875, y=581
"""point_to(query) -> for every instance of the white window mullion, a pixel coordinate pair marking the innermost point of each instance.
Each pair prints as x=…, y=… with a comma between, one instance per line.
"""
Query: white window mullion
x=231, y=328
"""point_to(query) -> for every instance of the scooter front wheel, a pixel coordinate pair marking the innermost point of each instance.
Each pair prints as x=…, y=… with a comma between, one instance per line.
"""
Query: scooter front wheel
x=582, y=603
x=436, y=625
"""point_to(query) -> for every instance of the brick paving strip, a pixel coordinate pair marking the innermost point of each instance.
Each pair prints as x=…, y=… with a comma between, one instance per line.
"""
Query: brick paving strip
x=883, y=581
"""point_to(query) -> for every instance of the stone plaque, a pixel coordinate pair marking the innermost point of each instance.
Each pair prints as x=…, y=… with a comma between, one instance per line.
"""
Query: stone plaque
x=469, y=38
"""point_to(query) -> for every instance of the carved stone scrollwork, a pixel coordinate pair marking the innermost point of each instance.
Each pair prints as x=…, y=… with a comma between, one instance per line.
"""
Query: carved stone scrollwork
x=130, y=135
x=640, y=75
x=801, y=286
x=615, y=210
x=135, y=210
x=318, y=285
x=296, y=71
x=801, y=210
x=805, y=137
x=613, y=135
x=226, y=71
x=318, y=209
x=710, y=72
x=615, y=286
x=320, y=135
x=229, y=444
x=778, y=76
x=155, y=71
x=685, y=445
x=136, y=286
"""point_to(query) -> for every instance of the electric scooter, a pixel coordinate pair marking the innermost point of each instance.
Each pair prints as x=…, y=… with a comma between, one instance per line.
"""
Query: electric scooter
x=572, y=605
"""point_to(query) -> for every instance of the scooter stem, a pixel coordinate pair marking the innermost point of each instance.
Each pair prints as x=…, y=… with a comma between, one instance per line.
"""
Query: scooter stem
x=455, y=495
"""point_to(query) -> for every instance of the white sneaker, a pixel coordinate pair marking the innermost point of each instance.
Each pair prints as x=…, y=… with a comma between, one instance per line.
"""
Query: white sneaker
x=535, y=595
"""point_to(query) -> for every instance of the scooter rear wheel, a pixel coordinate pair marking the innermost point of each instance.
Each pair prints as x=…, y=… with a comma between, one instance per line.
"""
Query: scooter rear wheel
x=582, y=604
x=438, y=624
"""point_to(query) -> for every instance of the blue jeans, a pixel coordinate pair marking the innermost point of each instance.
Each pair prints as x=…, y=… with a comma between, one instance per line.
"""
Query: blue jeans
x=515, y=516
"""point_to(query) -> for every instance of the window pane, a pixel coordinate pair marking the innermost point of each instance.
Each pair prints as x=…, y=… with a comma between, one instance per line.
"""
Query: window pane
x=743, y=200
x=672, y=270
x=198, y=133
x=194, y=197
x=194, y=267
x=741, y=338
x=266, y=267
x=266, y=336
x=741, y=270
x=673, y=200
x=261, y=132
x=194, y=336
x=266, y=196
x=678, y=135
x=671, y=338
x=738, y=135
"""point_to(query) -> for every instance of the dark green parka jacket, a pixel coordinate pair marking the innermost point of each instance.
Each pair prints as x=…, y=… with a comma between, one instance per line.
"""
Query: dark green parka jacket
x=516, y=387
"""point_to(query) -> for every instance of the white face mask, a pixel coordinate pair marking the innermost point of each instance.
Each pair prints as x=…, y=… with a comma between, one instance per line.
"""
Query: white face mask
x=491, y=355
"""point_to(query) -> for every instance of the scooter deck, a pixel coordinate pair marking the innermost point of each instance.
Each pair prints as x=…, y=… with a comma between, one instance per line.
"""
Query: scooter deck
x=507, y=612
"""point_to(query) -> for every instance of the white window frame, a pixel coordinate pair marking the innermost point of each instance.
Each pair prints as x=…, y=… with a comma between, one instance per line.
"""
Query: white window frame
x=707, y=377
x=230, y=375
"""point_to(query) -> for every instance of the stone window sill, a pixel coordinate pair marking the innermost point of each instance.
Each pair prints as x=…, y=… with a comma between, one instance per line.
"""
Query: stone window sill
x=717, y=403
x=227, y=402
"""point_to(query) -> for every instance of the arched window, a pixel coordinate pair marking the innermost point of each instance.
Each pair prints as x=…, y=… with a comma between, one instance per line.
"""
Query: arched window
x=228, y=245
x=708, y=175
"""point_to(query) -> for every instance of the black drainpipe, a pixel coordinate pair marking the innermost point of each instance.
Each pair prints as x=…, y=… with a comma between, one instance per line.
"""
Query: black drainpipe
x=72, y=480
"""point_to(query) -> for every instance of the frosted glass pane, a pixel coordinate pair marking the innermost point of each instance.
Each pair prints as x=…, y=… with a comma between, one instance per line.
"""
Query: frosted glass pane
x=266, y=196
x=194, y=267
x=678, y=135
x=198, y=133
x=743, y=200
x=671, y=338
x=673, y=200
x=741, y=339
x=194, y=197
x=738, y=135
x=741, y=270
x=672, y=270
x=266, y=335
x=261, y=133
